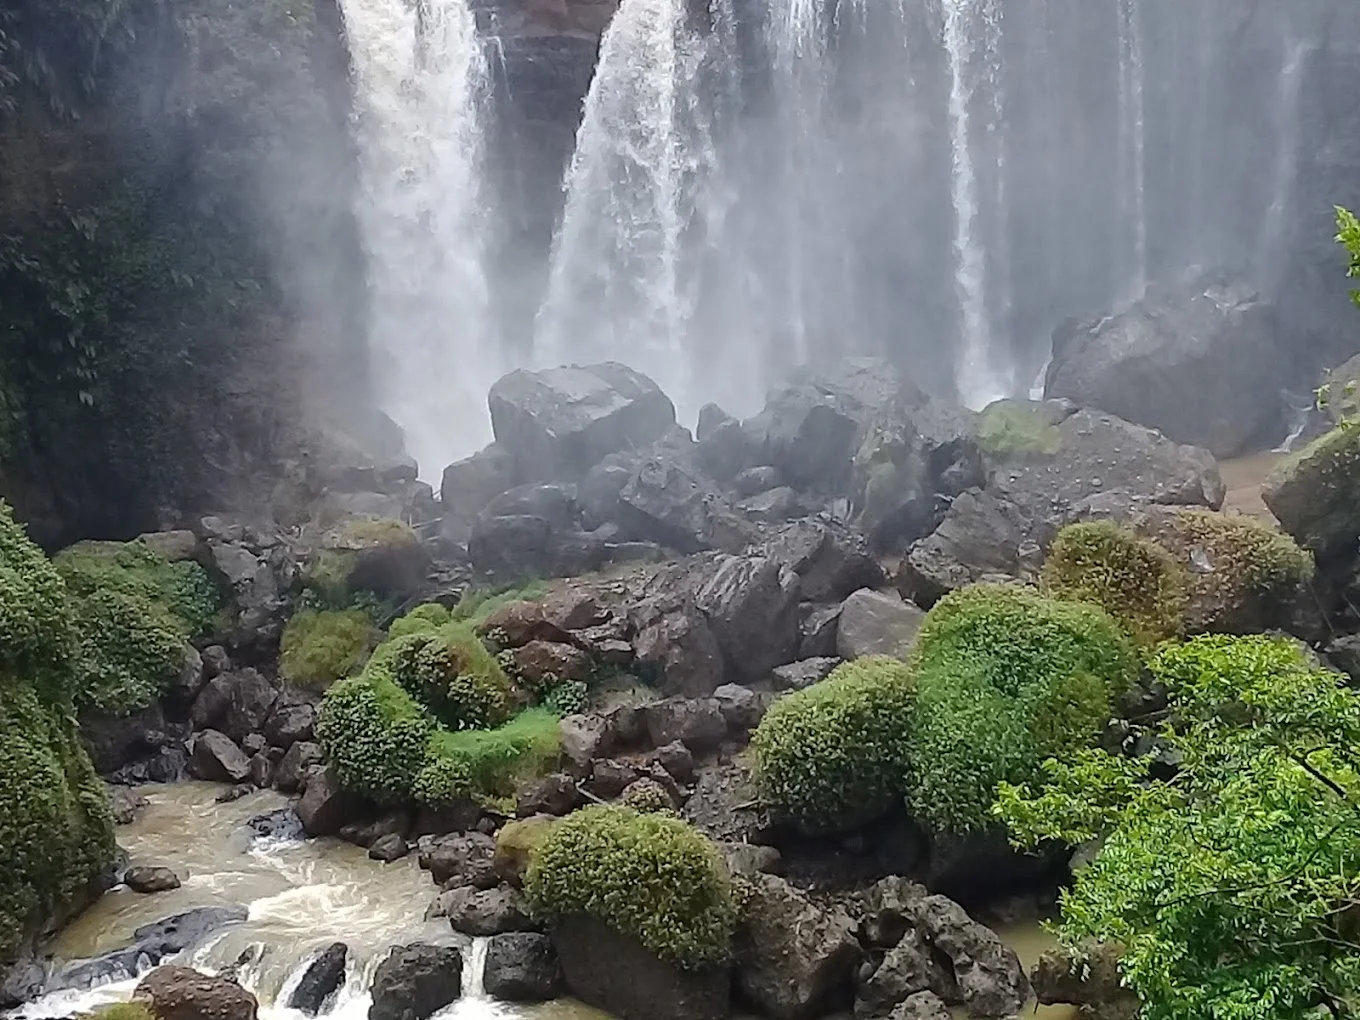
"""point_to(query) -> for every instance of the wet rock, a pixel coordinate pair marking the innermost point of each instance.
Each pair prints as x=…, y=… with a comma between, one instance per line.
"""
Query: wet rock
x=697, y=723
x=486, y=911
x=521, y=967
x=374, y=550
x=561, y=422
x=521, y=546
x=290, y=724
x=150, y=944
x=584, y=737
x=187, y=683
x=905, y=971
x=817, y=631
x=726, y=450
x=1094, y=982
x=677, y=760
x=831, y=559
x=151, y=879
x=877, y=623
x=745, y=860
x=180, y=993
x=668, y=501
x=921, y=1006
x=1315, y=495
x=235, y=793
x=725, y=804
x=469, y=485
x=414, y=982
x=115, y=741
x=773, y=507
x=127, y=804
x=168, y=765
x=792, y=957
x=293, y=769
x=1344, y=654
x=741, y=708
x=261, y=771
x=216, y=661
x=389, y=848
x=617, y=975
x=323, y=978
x=672, y=640
x=609, y=778
x=515, y=845
x=990, y=980
x=751, y=603
x=555, y=794
x=754, y=481
x=237, y=703
x=282, y=824
x=797, y=676
x=390, y=823
x=981, y=538
x=254, y=743
x=324, y=806
x=544, y=661
x=216, y=758
x=464, y=859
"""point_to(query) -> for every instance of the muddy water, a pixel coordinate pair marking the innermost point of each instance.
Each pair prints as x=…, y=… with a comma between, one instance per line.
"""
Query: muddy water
x=301, y=896
x=1244, y=477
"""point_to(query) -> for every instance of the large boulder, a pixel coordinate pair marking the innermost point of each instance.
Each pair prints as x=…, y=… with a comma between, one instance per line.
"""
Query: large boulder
x=666, y=500
x=983, y=537
x=469, y=485
x=877, y=623
x=414, y=982
x=906, y=970
x=533, y=531
x=1315, y=495
x=752, y=607
x=1094, y=982
x=792, y=957
x=322, y=979
x=486, y=911
x=114, y=741
x=831, y=559
x=1201, y=364
x=325, y=806
x=461, y=859
x=237, y=703
x=521, y=967
x=216, y=758
x=616, y=974
x=559, y=423
x=675, y=645
x=181, y=993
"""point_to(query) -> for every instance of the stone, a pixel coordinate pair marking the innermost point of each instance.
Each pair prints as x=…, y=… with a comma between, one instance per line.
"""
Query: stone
x=559, y=423
x=921, y=1006
x=216, y=661
x=672, y=639
x=460, y=859
x=376, y=551
x=181, y=993
x=324, y=976
x=831, y=559
x=515, y=844
x=991, y=982
x=390, y=823
x=1093, y=983
x=741, y=708
x=237, y=703
x=711, y=418
x=389, y=848
x=290, y=724
x=554, y=794
x=817, y=631
x=609, y=778
x=792, y=957
x=150, y=944
x=544, y=661
x=517, y=547
x=697, y=723
x=469, y=485
x=1201, y=364
x=798, y=676
x=751, y=603
x=127, y=804
x=261, y=771
x=235, y=793
x=1315, y=495
x=981, y=538
x=175, y=546
x=677, y=760
x=725, y=804
x=584, y=737
x=614, y=973
x=667, y=500
x=114, y=742
x=773, y=507
x=746, y=860
x=1344, y=654
x=754, y=481
x=254, y=744
x=151, y=880
x=187, y=683
x=877, y=623
x=282, y=824
x=726, y=450
x=217, y=759
x=486, y=911
x=906, y=970
x=414, y=982
x=292, y=771
x=521, y=967
x=325, y=806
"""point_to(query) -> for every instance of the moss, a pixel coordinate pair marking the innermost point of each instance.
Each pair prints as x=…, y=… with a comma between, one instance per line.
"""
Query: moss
x=567, y=697
x=517, y=842
x=1134, y=580
x=122, y=1011
x=1007, y=429
x=833, y=755
x=478, y=604
x=320, y=647
x=451, y=673
x=376, y=532
x=490, y=763
x=421, y=619
x=650, y=877
x=1315, y=493
x=648, y=796
x=375, y=735
x=36, y=617
x=130, y=649
x=183, y=588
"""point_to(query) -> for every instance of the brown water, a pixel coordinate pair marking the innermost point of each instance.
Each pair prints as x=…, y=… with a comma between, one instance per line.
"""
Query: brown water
x=302, y=896
x=1244, y=477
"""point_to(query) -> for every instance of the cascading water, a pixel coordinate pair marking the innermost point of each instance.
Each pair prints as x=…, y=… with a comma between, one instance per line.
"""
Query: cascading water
x=1132, y=149
x=1287, y=118
x=421, y=80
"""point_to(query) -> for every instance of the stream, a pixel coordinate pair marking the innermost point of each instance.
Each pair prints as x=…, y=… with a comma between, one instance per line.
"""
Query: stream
x=301, y=896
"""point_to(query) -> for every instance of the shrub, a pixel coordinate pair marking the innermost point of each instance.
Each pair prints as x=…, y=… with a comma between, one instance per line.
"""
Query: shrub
x=832, y=755
x=516, y=844
x=36, y=621
x=1134, y=580
x=182, y=588
x=651, y=877
x=648, y=796
x=451, y=673
x=490, y=763
x=320, y=647
x=477, y=604
x=130, y=649
x=428, y=617
x=567, y=697
x=375, y=735
x=1009, y=429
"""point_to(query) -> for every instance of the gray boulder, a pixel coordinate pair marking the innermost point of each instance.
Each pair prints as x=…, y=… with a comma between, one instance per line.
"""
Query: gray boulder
x=215, y=757
x=752, y=607
x=414, y=982
x=289, y=724
x=666, y=500
x=698, y=723
x=325, y=806
x=877, y=623
x=296, y=764
x=521, y=967
x=469, y=485
x=322, y=979
x=831, y=559
x=1315, y=495
x=673, y=641
x=181, y=993
x=921, y=1006
x=463, y=859
x=151, y=880
x=797, y=676
x=237, y=703
x=486, y=911
x=906, y=970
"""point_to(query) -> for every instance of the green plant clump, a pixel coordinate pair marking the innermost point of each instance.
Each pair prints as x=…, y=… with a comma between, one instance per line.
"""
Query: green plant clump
x=451, y=673
x=428, y=617
x=320, y=647
x=1134, y=580
x=832, y=756
x=490, y=764
x=1005, y=679
x=36, y=619
x=122, y=1011
x=648, y=876
x=647, y=796
x=182, y=587
x=477, y=604
x=1231, y=884
x=1007, y=429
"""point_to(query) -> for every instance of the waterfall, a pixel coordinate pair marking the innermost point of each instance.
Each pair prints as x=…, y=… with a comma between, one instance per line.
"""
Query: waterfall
x=1132, y=147
x=421, y=79
x=1287, y=117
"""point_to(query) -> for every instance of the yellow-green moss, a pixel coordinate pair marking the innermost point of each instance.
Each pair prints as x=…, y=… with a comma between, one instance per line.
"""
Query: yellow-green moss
x=1007, y=429
x=319, y=647
x=516, y=844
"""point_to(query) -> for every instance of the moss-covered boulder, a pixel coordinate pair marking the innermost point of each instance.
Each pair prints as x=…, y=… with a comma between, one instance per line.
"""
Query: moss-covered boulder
x=319, y=647
x=1136, y=581
x=1315, y=495
x=56, y=830
x=832, y=756
x=1020, y=429
x=453, y=675
x=367, y=554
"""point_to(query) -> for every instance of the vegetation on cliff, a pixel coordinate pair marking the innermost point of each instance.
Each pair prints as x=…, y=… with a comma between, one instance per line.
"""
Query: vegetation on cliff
x=319, y=647
x=648, y=876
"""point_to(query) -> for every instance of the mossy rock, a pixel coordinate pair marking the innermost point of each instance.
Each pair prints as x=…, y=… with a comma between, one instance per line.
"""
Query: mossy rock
x=1134, y=580
x=319, y=647
x=1019, y=430
x=516, y=844
x=37, y=618
x=452, y=675
x=183, y=588
x=1315, y=495
x=832, y=757
x=649, y=877
x=367, y=554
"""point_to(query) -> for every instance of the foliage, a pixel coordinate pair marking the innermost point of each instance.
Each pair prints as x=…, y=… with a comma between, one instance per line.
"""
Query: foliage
x=1134, y=580
x=35, y=616
x=182, y=587
x=833, y=754
x=375, y=735
x=567, y=697
x=1006, y=678
x=518, y=841
x=490, y=763
x=121, y=1011
x=477, y=603
x=1348, y=236
x=320, y=647
x=1231, y=884
x=648, y=876
x=428, y=617
x=1008, y=429
x=451, y=673
x=647, y=796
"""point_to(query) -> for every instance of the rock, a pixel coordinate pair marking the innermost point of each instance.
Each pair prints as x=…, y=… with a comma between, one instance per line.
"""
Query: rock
x=389, y=848
x=217, y=759
x=711, y=418
x=216, y=661
x=667, y=501
x=907, y=970
x=1093, y=983
x=521, y=546
x=290, y=724
x=982, y=537
x=261, y=771
x=464, y=859
x=254, y=744
x=256, y=587
x=609, y=778
x=414, y=982
x=113, y=742
x=677, y=760
x=555, y=794
x=797, y=676
x=615, y=974
x=773, y=507
x=726, y=450
x=1315, y=493
x=127, y=804
x=187, y=683
x=1344, y=654
x=323, y=978
x=291, y=774
x=792, y=957
x=151, y=880
x=282, y=824
x=752, y=608
x=180, y=993
x=673, y=640
x=741, y=708
x=237, y=703
x=168, y=765
x=559, y=423
x=374, y=551
x=469, y=485
x=515, y=844
x=540, y=661
x=877, y=623
x=831, y=559
x=521, y=967
x=584, y=737
x=921, y=1006
x=725, y=803
x=151, y=943
x=390, y=823
x=697, y=723
x=817, y=631
x=754, y=481
x=1200, y=365
x=486, y=911
x=235, y=793
x=990, y=979
x=324, y=806
x=175, y=546
x=745, y=860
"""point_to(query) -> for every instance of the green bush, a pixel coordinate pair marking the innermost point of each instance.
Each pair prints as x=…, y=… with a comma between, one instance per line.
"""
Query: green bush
x=130, y=649
x=1134, y=580
x=651, y=877
x=647, y=796
x=320, y=647
x=182, y=588
x=1006, y=678
x=516, y=844
x=567, y=697
x=1007, y=429
x=375, y=735
x=832, y=755
x=490, y=763
x=428, y=617
x=452, y=674
x=36, y=620
x=477, y=604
